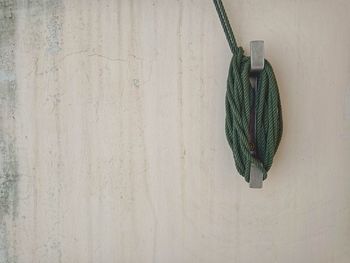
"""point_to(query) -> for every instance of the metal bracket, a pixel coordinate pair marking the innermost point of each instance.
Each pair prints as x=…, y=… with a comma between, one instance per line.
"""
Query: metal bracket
x=257, y=65
x=257, y=59
x=256, y=177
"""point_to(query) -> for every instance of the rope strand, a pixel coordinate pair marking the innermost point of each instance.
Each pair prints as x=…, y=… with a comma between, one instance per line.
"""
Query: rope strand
x=226, y=25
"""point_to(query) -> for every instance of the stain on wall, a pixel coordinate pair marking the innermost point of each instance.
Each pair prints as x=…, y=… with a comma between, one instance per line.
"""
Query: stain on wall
x=8, y=159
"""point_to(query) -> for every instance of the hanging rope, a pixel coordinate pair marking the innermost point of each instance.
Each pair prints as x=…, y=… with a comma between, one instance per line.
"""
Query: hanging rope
x=239, y=103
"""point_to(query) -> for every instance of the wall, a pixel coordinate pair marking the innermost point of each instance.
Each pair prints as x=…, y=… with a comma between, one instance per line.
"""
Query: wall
x=112, y=143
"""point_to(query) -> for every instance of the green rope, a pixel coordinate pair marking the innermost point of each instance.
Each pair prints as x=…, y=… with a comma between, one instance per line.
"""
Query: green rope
x=239, y=103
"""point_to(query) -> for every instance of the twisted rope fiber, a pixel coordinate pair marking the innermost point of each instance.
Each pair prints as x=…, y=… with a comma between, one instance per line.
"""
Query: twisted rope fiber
x=239, y=101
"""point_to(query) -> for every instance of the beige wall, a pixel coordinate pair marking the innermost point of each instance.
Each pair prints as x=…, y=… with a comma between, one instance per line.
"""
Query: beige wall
x=112, y=133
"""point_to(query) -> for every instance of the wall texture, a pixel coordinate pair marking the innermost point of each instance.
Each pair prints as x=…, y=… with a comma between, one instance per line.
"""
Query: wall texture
x=112, y=143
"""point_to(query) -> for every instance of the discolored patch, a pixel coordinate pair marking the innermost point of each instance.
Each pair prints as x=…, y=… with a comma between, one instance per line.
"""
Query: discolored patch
x=8, y=159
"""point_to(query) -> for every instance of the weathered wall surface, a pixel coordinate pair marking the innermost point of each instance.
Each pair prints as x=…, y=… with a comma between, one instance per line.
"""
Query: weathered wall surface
x=112, y=144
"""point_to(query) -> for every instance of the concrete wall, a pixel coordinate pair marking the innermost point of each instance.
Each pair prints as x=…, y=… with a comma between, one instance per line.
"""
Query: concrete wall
x=112, y=143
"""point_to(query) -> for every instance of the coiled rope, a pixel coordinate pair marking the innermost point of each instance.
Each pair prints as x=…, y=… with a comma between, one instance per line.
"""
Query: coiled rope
x=239, y=101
